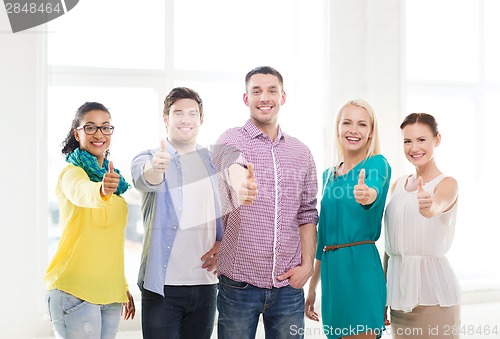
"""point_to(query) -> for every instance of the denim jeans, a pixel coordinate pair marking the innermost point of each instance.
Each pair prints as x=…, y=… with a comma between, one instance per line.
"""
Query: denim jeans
x=185, y=312
x=240, y=305
x=74, y=318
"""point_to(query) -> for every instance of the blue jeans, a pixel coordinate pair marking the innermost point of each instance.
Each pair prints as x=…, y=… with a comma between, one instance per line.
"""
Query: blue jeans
x=74, y=318
x=185, y=312
x=240, y=305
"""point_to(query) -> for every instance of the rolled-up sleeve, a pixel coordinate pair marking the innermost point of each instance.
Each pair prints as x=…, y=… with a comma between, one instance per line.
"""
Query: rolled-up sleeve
x=308, y=213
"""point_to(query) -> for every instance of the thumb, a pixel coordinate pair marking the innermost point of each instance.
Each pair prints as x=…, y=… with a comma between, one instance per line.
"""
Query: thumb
x=111, y=167
x=420, y=185
x=285, y=275
x=361, y=179
x=251, y=171
x=163, y=145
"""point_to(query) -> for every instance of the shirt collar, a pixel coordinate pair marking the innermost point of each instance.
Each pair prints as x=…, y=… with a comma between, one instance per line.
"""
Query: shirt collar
x=174, y=153
x=254, y=131
x=171, y=149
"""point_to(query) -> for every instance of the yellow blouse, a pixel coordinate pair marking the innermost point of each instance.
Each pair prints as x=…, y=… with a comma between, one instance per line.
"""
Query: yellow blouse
x=89, y=261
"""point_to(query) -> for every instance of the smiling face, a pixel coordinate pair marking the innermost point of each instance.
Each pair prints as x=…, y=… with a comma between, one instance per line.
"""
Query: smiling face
x=419, y=143
x=264, y=97
x=354, y=129
x=98, y=143
x=183, y=124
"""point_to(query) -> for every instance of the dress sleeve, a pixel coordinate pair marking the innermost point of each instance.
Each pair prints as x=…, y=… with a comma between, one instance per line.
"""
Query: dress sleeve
x=308, y=213
x=378, y=177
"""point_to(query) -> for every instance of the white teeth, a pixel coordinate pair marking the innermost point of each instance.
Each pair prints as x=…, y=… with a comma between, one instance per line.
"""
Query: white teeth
x=99, y=144
x=353, y=139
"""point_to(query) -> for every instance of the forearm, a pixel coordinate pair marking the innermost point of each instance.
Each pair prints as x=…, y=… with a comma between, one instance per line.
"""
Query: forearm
x=385, y=264
x=152, y=177
x=313, y=283
x=434, y=210
x=308, y=240
x=440, y=207
x=141, y=164
x=444, y=198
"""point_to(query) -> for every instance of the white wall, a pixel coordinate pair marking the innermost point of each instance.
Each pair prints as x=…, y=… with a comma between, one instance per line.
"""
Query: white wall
x=23, y=204
x=366, y=62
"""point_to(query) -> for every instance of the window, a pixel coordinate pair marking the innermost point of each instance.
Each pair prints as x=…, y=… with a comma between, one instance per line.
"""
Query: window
x=110, y=34
x=453, y=73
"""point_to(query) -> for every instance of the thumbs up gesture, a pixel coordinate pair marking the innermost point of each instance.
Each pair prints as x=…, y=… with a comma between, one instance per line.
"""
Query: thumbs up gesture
x=155, y=169
x=248, y=190
x=161, y=159
x=361, y=190
x=424, y=198
x=110, y=181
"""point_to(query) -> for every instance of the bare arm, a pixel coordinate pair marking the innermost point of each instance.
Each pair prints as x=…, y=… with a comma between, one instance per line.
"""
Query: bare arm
x=311, y=295
x=445, y=197
x=308, y=240
x=385, y=265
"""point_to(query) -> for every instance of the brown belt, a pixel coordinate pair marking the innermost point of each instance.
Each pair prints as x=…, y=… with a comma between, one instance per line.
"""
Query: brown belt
x=336, y=247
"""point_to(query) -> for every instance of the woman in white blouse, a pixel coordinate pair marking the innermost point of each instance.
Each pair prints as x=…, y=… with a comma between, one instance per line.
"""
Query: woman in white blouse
x=423, y=293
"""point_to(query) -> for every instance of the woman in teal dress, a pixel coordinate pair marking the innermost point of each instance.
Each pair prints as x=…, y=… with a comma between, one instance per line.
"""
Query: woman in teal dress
x=354, y=193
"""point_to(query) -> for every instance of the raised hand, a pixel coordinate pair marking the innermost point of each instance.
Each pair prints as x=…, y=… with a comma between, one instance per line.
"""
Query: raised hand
x=248, y=190
x=361, y=190
x=161, y=159
x=425, y=200
x=154, y=170
x=110, y=181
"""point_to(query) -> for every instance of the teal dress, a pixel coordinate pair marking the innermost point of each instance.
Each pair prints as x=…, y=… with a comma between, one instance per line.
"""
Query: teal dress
x=352, y=279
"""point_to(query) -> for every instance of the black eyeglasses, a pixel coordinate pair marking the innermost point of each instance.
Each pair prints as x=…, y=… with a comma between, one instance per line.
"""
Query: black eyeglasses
x=92, y=129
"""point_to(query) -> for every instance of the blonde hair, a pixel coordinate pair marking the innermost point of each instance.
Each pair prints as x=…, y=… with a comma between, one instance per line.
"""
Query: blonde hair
x=373, y=144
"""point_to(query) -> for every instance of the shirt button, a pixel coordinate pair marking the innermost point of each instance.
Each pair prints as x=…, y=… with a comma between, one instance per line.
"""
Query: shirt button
x=175, y=227
x=168, y=248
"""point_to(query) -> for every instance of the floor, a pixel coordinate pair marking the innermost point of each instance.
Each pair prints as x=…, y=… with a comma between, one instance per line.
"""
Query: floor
x=479, y=321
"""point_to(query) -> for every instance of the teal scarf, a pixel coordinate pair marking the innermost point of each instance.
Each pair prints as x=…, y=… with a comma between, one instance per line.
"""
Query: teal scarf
x=89, y=164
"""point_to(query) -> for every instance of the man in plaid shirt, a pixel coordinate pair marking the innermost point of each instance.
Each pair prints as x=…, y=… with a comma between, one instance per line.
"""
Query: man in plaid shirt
x=269, y=217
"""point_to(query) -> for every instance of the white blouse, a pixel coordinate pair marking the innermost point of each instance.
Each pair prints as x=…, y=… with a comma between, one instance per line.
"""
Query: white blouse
x=418, y=272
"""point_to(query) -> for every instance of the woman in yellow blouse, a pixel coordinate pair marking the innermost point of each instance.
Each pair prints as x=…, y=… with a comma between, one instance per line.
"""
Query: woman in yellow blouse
x=86, y=277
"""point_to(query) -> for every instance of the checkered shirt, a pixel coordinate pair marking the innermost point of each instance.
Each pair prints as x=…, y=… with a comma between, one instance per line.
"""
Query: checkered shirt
x=261, y=241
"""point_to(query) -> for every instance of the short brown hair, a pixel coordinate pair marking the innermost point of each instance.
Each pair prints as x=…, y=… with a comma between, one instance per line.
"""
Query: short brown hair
x=263, y=70
x=181, y=93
